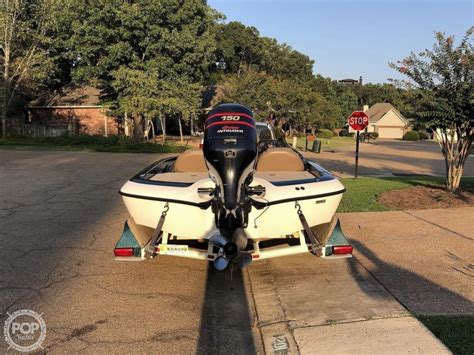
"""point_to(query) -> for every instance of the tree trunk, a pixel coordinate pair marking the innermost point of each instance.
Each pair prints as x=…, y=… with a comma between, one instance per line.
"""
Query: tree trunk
x=5, y=89
x=180, y=130
x=126, y=125
x=455, y=156
x=4, y=111
x=163, y=129
x=192, y=127
x=453, y=176
x=138, y=133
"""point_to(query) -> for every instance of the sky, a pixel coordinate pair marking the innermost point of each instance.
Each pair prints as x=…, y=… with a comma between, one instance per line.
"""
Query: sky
x=352, y=38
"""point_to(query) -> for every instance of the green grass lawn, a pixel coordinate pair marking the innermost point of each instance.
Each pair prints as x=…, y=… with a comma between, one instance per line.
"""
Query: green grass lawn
x=326, y=143
x=457, y=333
x=114, y=144
x=361, y=193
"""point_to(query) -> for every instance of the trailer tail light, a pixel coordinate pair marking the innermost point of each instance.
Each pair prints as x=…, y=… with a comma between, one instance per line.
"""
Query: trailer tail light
x=124, y=252
x=343, y=249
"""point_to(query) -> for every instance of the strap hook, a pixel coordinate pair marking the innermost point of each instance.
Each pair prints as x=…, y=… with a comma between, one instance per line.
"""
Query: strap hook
x=165, y=209
x=298, y=207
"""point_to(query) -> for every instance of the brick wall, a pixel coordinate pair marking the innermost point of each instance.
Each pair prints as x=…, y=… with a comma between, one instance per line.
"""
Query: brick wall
x=90, y=121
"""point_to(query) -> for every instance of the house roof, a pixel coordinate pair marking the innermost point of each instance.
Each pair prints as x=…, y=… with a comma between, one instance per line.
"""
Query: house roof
x=71, y=95
x=378, y=110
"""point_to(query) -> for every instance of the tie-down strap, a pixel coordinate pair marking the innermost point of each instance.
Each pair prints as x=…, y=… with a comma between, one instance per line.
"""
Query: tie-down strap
x=157, y=234
x=315, y=245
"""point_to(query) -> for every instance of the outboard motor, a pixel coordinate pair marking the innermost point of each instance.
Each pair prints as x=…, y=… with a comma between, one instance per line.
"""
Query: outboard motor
x=230, y=152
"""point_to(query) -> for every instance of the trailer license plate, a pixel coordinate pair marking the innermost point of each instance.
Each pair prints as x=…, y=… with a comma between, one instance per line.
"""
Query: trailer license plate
x=172, y=249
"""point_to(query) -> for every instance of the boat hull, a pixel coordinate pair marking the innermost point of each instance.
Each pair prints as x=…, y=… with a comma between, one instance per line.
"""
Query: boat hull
x=189, y=216
x=318, y=201
x=184, y=217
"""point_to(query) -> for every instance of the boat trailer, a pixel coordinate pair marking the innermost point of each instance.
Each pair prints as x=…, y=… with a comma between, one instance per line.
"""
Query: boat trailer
x=136, y=244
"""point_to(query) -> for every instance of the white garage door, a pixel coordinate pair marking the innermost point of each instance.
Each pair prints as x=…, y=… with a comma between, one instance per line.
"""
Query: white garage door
x=390, y=132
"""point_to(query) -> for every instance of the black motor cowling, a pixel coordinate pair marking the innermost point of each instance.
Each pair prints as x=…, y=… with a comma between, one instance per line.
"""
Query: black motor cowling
x=230, y=150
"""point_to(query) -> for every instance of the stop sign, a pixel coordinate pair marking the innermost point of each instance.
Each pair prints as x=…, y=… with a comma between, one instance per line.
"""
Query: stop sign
x=358, y=120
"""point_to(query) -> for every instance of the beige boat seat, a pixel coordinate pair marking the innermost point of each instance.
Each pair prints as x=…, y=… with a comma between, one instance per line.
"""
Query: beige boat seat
x=279, y=159
x=191, y=160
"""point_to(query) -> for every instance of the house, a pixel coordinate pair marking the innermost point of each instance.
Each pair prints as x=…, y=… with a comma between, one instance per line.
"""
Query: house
x=76, y=110
x=386, y=121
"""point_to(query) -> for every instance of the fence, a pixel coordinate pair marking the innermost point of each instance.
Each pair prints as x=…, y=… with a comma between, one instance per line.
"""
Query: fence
x=18, y=128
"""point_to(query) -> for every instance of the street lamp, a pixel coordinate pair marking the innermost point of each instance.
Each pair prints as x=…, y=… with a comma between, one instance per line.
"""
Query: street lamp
x=353, y=83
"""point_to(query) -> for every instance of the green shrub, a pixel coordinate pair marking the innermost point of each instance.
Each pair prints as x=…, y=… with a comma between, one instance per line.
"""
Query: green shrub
x=351, y=134
x=324, y=133
x=411, y=136
x=423, y=135
x=82, y=139
x=96, y=143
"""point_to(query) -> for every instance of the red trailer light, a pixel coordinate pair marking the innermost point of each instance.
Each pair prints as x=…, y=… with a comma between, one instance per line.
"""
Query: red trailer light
x=343, y=249
x=123, y=252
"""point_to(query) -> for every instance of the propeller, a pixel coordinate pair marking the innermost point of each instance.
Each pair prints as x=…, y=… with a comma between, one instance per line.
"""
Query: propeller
x=218, y=240
x=231, y=251
x=221, y=261
x=242, y=259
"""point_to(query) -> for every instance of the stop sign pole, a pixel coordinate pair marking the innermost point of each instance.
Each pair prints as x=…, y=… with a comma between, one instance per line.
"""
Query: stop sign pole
x=358, y=121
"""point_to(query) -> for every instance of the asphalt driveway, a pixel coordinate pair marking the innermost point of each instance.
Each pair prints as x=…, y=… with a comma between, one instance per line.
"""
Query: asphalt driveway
x=61, y=215
x=387, y=157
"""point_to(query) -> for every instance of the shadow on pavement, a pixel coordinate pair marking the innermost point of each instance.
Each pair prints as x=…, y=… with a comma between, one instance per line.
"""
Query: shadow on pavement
x=226, y=321
x=371, y=164
x=418, y=294
x=386, y=157
x=341, y=167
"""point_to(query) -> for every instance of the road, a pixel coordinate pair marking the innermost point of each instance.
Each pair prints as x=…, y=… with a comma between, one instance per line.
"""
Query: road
x=60, y=218
x=387, y=157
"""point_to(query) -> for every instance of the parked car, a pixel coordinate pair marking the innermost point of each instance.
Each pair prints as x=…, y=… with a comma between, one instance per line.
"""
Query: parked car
x=264, y=131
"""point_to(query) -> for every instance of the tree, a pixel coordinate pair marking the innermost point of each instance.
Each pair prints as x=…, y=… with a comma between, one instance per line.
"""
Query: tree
x=444, y=81
x=282, y=61
x=142, y=95
x=238, y=45
x=25, y=59
x=398, y=97
x=265, y=94
x=149, y=57
x=251, y=88
x=242, y=48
